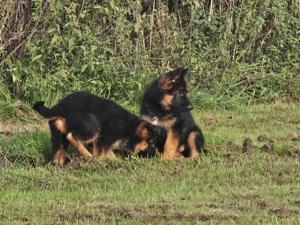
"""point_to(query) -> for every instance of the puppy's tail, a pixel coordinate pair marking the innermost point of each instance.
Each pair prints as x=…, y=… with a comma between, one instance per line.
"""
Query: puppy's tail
x=46, y=112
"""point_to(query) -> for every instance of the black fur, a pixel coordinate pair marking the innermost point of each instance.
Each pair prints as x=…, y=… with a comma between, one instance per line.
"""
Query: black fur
x=165, y=104
x=102, y=122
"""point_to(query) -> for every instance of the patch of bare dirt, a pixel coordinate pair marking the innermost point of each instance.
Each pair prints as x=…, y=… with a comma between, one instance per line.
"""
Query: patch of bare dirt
x=283, y=212
x=248, y=145
x=9, y=129
x=266, y=144
x=75, y=163
x=266, y=138
x=2, y=217
x=233, y=147
x=164, y=207
x=268, y=147
x=295, y=153
x=293, y=137
x=175, y=216
x=167, y=213
x=262, y=203
x=75, y=217
x=297, y=203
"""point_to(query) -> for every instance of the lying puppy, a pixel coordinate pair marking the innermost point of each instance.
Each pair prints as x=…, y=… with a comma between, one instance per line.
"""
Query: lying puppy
x=86, y=118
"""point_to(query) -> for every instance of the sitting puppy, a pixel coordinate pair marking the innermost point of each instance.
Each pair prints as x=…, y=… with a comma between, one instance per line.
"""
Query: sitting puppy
x=165, y=105
x=86, y=118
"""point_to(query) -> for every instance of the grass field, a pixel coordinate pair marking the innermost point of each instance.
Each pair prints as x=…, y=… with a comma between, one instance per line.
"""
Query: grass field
x=250, y=175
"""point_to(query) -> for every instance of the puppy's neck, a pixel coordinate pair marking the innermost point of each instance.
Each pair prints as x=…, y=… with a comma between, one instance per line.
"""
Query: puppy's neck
x=166, y=121
x=151, y=120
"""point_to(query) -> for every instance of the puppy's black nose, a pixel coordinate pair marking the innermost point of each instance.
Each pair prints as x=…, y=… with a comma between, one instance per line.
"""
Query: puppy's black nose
x=189, y=107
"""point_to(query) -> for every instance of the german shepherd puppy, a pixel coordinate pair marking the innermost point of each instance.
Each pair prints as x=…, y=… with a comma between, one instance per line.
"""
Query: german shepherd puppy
x=165, y=105
x=86, y=118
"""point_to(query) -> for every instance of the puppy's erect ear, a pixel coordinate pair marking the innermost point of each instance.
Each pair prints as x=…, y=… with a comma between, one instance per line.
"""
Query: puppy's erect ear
x=184, y=72
x=168, y=79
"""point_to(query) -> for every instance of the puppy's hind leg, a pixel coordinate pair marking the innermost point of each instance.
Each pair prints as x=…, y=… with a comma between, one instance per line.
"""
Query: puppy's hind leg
x=195, y=141
x=105, y=146
x=60, y=156
x=59, y=144
x=98, y=149
x=78, y=144
x=110, y=154
x=107, y=153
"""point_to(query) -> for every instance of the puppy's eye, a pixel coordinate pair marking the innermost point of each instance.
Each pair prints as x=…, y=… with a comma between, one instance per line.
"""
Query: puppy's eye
x=181, y=92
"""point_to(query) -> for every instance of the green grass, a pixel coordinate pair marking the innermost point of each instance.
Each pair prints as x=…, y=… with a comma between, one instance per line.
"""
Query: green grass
x=243, y=189
x=238, y=182
x=274, y=124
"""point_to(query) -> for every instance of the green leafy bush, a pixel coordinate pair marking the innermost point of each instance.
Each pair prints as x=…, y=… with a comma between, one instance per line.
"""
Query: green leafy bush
x=237, y=52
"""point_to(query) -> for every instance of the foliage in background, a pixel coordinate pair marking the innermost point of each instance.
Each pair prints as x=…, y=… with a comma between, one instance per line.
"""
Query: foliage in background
x=237, y=51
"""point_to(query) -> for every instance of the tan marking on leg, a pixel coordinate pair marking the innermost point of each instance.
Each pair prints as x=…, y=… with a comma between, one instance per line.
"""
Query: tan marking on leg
x=107, y=153
x=59, y=157
x=60, y=124
x=178, y=155
x=78, y=145
x=100, y=152
x=94, y=140
x=171, y=145
x=103, y=153
x=110, y=151
x=191, y=140
x=96, y=149
x=110, y=154
x=97, y=152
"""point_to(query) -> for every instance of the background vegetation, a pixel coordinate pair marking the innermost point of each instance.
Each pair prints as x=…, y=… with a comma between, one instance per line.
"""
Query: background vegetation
x=237, y=51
